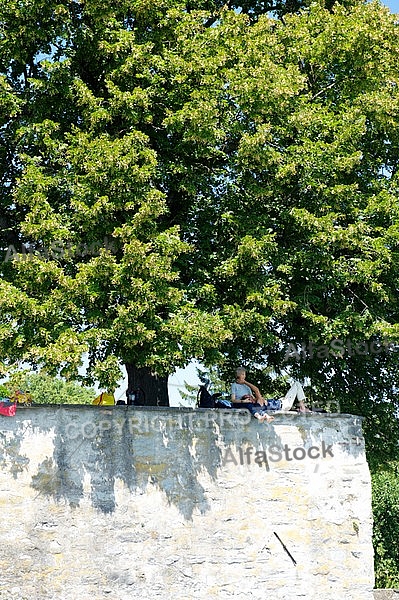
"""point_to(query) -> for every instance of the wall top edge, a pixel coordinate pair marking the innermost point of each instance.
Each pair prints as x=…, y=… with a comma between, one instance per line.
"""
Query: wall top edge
x=168, y=410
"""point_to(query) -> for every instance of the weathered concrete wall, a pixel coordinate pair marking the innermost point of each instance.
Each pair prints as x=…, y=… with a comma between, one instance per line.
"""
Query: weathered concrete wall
x=126, y=503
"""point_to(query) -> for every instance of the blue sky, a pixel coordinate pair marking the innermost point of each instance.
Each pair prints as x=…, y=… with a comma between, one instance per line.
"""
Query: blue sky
x=393, y=5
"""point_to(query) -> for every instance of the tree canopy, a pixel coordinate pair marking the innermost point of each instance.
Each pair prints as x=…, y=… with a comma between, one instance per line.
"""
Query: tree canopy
x=201, y=180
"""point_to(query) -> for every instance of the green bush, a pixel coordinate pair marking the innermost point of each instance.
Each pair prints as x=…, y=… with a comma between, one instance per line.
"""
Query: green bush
x=4, y=391
x=386, y=526
x=45, y=389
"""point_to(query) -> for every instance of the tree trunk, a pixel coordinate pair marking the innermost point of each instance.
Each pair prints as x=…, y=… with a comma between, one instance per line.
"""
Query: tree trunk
x=149, y=389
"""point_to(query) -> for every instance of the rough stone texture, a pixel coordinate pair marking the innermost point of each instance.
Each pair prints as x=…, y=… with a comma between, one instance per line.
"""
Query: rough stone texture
x=125, y=503
x=386, y=594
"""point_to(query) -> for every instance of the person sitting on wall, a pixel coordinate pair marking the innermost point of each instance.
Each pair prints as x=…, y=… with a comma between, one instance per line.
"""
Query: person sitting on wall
x=246, y=395
x=295, y=392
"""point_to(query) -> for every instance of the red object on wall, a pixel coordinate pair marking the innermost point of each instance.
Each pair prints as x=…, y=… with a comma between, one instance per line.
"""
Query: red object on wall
x=8, y=409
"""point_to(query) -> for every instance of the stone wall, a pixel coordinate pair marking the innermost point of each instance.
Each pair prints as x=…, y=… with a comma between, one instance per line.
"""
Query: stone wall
x=125, y=503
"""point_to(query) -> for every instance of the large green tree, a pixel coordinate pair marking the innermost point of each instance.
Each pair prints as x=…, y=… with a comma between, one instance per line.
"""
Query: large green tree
x=194, y=180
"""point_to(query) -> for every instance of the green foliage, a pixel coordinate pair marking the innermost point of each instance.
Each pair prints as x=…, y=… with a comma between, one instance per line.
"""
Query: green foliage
x=86, y=172
x=386, y=526
x=45, y=389
x=4, y=391
x=190, y=182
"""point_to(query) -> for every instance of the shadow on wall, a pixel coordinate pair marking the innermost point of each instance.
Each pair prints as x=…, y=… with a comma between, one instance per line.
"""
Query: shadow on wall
x=166, y=447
